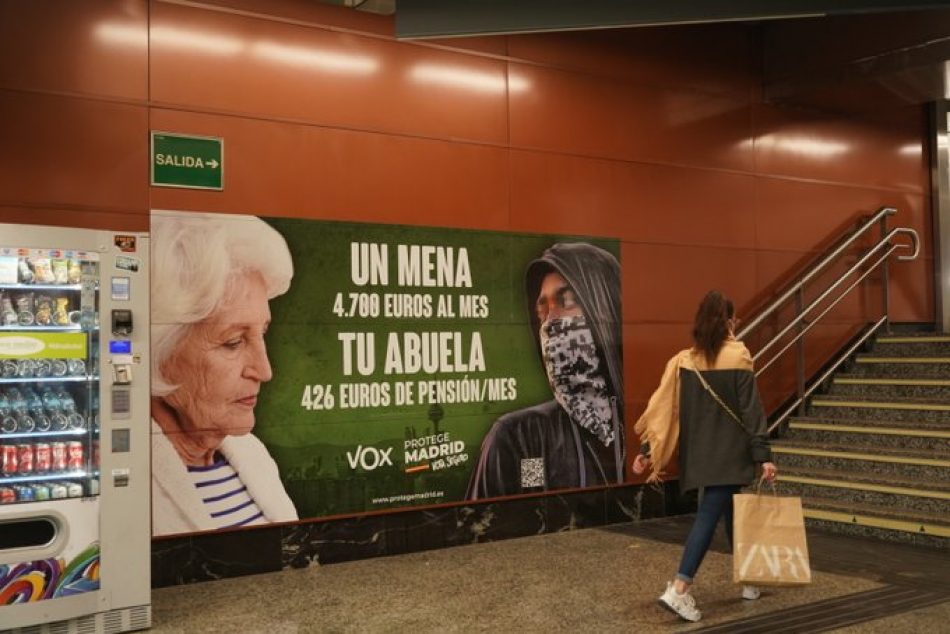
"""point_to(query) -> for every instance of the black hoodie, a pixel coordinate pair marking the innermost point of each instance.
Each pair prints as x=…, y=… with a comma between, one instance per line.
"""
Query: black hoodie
x=561, y=454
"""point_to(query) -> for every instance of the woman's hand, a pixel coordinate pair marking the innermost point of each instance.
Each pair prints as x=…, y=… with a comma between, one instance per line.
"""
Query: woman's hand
x=769, y=471
x=641, y=463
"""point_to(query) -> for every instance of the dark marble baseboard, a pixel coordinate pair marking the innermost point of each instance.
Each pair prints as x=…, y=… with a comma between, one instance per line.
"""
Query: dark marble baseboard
x=209, y=556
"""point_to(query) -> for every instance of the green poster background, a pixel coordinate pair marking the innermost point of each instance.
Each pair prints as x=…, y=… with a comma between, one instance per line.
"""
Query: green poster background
x=316, y=449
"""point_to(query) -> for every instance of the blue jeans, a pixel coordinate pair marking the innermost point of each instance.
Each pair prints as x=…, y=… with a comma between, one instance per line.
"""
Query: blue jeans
x=714, y=502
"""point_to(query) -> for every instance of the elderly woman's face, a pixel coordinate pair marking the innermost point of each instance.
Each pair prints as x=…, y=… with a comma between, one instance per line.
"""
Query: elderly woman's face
x=220, y=365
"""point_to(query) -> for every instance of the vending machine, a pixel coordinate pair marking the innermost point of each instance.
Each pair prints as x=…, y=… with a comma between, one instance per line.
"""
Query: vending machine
x=74, y=430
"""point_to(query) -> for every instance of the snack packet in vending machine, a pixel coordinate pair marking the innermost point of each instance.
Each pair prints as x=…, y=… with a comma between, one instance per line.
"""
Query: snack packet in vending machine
x=60, y=271
x=42, y=270
x=61, y=314
x=44, y=310
x=74, y=274
x=25, y=272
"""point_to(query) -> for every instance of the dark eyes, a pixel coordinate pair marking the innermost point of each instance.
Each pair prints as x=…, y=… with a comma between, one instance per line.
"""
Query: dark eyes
x=568, y=300
x=235, y=343
x=564, y=299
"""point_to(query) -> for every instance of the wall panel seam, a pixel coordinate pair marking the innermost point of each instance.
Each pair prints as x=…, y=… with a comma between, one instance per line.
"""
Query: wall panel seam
x=66, y=94
x=736, y=94
x=519, y=148
x=55, y=205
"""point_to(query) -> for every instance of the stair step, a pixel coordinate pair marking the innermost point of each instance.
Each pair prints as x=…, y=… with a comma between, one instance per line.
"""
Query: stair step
x=827, y=401
x=887, y=493
x=933, y=346
x=885, y=388
x=862, y=380
x=910, y=427
x=900, y=367
x=863, y=452
x=880, y=359
x=873, y=481
x=837, y=406
x=904, y=520
x=873, y=455
x=902, y=435
x=878, y=461
x=924, y=338
x=861, y=486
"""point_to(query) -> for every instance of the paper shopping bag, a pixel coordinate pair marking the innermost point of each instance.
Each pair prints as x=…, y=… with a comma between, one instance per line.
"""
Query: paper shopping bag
x=769, y=546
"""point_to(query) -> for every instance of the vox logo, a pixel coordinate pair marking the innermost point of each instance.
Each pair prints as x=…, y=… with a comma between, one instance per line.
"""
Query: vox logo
x=369, y=458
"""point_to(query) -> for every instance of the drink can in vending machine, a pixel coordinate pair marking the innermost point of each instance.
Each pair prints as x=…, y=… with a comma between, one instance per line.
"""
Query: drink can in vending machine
x=57, y=491
x=25, y=423
x=73, y=489
x=59, y=421
x=24, y=455
x=8, y=460
x=25, y=493
x=42, y=421
x=7, y=424
x=94, y=486
x=43, y=457
x=58, y=453
x=7, y=495
x=74, y=457
x=40, y=492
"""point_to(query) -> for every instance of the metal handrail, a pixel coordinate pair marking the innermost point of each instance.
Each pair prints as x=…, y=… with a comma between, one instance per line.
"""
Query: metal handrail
x=796, y=291
x=808, y=326
x=880, y=215
x=857, y=265
x=831, y=369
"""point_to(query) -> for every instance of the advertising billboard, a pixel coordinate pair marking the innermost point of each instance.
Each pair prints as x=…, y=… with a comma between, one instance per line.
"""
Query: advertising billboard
x=308, y=369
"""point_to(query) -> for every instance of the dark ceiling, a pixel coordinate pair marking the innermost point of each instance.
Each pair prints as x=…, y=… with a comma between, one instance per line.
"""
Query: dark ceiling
x=848, y=55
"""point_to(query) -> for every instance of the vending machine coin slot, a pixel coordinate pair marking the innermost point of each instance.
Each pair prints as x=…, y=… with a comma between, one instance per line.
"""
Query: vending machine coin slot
x=121, y=322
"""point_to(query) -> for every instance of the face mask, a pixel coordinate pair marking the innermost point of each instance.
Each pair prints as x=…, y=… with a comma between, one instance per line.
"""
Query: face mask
x=573, y=368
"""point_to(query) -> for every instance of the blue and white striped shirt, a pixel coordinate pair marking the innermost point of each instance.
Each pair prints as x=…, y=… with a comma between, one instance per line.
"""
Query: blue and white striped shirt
x=224, y=495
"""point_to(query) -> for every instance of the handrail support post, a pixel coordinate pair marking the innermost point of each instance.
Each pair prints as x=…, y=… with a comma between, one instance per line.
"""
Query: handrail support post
x=885, y=282
x=800, y=352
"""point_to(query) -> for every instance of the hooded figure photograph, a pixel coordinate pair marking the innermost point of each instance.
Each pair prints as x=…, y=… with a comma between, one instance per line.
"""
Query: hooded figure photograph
x=576, y=439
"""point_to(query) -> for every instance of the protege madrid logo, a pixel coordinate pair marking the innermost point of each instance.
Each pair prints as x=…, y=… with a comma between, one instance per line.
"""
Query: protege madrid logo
x=369, y=458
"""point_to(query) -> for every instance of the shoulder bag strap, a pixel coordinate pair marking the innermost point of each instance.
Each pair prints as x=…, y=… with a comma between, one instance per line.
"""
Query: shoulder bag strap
x=716, y=397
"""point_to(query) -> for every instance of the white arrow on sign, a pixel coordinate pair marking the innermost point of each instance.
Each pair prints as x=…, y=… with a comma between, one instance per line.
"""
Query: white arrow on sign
x=213, y=163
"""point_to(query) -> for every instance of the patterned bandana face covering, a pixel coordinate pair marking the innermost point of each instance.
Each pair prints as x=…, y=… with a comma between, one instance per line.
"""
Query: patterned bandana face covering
x=573, y=367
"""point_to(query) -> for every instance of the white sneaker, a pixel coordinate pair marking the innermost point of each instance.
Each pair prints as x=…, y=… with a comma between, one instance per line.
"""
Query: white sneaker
x=681, y=604
x=751, y=593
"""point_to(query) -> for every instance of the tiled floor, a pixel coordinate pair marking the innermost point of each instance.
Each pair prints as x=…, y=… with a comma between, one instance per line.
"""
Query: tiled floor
x=604, y=580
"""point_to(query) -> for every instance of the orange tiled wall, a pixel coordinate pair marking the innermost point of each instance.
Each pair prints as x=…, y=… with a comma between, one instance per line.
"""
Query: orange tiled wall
x=655, y=136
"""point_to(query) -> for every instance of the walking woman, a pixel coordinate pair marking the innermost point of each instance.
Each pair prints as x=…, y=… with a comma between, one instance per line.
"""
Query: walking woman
x=708, y=407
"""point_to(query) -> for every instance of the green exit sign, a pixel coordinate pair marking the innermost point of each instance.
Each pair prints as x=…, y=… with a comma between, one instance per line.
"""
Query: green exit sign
x=194, y=162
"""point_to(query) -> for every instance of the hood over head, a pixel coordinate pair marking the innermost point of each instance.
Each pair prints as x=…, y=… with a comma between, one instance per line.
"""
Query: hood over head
x=594, y=275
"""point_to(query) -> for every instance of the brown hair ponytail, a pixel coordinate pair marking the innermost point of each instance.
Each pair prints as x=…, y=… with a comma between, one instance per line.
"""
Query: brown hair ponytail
x=711, y=326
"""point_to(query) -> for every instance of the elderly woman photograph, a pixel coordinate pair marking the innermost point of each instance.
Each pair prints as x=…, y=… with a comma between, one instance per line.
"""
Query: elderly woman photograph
x=212, y=279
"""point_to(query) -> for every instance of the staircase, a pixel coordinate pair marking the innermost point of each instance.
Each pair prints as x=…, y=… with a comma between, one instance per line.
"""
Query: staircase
x=872, y=456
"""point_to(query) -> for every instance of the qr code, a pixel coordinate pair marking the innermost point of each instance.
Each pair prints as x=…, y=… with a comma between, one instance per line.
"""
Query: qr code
x=532, y=472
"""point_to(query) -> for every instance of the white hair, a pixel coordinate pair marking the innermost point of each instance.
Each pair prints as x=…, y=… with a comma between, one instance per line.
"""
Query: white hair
x=195, y=258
